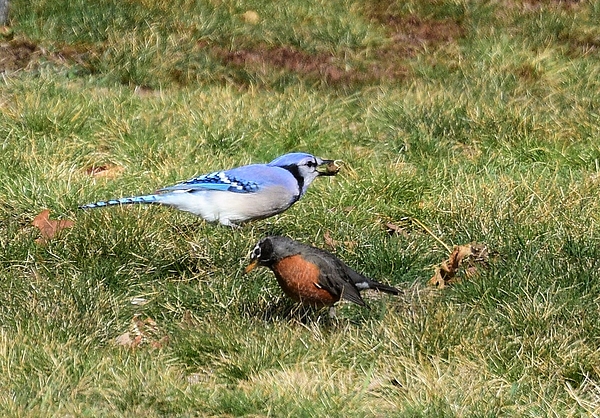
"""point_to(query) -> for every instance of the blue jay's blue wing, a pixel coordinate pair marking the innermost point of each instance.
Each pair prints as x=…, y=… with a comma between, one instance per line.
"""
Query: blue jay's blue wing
x=229, y=181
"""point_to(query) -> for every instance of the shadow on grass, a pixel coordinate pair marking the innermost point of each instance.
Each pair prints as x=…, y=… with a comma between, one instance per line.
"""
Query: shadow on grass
x=285, y=310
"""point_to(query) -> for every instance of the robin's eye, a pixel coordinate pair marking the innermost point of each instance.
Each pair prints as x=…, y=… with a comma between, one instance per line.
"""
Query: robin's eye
x=256, y=252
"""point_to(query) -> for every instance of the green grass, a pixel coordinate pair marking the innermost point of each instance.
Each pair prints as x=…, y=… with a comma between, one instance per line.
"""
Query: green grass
x=488, y=135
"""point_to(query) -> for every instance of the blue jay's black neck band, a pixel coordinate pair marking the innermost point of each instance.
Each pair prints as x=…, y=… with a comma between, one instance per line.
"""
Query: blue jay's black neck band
x=296, y=173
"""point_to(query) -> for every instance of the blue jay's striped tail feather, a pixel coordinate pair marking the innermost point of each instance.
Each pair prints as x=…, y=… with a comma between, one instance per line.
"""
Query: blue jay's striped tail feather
x=148, y=199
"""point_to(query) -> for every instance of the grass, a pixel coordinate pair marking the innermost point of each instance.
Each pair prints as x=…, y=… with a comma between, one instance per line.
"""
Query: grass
x=478, y=119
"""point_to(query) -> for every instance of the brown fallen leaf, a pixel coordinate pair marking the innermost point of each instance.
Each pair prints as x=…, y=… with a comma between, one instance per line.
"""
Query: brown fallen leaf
x=142, y=331
x=470, y=255
x=394, y=229
x=330, y=242
x=108, y=171
x=49, y=228
x=127, y=340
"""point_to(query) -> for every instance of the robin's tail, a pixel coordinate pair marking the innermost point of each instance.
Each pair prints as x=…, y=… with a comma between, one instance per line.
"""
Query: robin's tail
x=383, y=287
x=362, y=282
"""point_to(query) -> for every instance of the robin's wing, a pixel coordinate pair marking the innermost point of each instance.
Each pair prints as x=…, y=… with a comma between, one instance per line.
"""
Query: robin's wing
x=334, y=276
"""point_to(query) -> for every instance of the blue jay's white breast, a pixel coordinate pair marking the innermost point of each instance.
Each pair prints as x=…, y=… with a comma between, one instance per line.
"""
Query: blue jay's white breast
x=231, y=208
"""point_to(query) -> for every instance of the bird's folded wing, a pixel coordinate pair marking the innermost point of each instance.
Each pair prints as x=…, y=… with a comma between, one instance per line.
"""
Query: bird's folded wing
x=333, y=278
x=219, y=180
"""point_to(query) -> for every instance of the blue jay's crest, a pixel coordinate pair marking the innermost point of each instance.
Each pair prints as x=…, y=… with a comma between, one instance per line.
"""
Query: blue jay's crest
x=294, y=158
x=240, y=194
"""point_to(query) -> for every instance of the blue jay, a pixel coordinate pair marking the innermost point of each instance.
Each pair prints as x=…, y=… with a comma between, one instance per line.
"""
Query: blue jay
x=240, y=194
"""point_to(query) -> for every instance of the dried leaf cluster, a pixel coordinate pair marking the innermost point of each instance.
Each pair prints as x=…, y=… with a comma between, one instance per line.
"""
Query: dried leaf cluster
x=467, y=259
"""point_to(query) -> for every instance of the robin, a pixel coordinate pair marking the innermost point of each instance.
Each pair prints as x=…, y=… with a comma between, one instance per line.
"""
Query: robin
x=311, y=276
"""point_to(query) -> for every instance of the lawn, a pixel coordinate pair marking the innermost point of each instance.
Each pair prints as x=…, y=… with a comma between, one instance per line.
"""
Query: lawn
x=457, y=123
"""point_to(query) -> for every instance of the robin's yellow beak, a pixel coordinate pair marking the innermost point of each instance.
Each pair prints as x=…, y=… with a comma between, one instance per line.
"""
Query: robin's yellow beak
x=251, y=266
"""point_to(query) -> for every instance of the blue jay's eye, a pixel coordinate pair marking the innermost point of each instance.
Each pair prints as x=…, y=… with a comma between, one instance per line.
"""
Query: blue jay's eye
x=311, y=163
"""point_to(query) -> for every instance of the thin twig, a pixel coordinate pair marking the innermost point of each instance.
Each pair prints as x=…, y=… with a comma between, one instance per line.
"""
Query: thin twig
x=422, y=225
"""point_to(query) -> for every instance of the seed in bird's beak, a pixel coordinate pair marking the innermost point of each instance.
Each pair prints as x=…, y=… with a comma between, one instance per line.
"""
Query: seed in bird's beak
x=328, y=168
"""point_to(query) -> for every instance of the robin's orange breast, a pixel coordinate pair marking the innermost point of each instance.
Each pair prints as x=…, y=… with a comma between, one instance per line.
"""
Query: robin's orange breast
x=298, y=279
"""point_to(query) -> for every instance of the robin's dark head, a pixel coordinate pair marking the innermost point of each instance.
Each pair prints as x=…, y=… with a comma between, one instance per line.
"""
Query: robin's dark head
x=261, y=255
x=271, y=249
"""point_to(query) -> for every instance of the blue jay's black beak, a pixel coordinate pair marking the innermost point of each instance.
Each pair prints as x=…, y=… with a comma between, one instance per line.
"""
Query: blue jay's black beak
x=328, y=168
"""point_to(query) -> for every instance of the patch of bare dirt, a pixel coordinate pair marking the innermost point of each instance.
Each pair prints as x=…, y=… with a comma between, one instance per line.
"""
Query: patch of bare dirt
x=17, y=54
x=21, y=54
x=408, y=35
x=79, y=54
x=581, y=43
x=263, y=59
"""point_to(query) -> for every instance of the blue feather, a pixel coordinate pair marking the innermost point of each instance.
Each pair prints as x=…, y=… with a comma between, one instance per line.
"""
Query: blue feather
x=219, y=180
